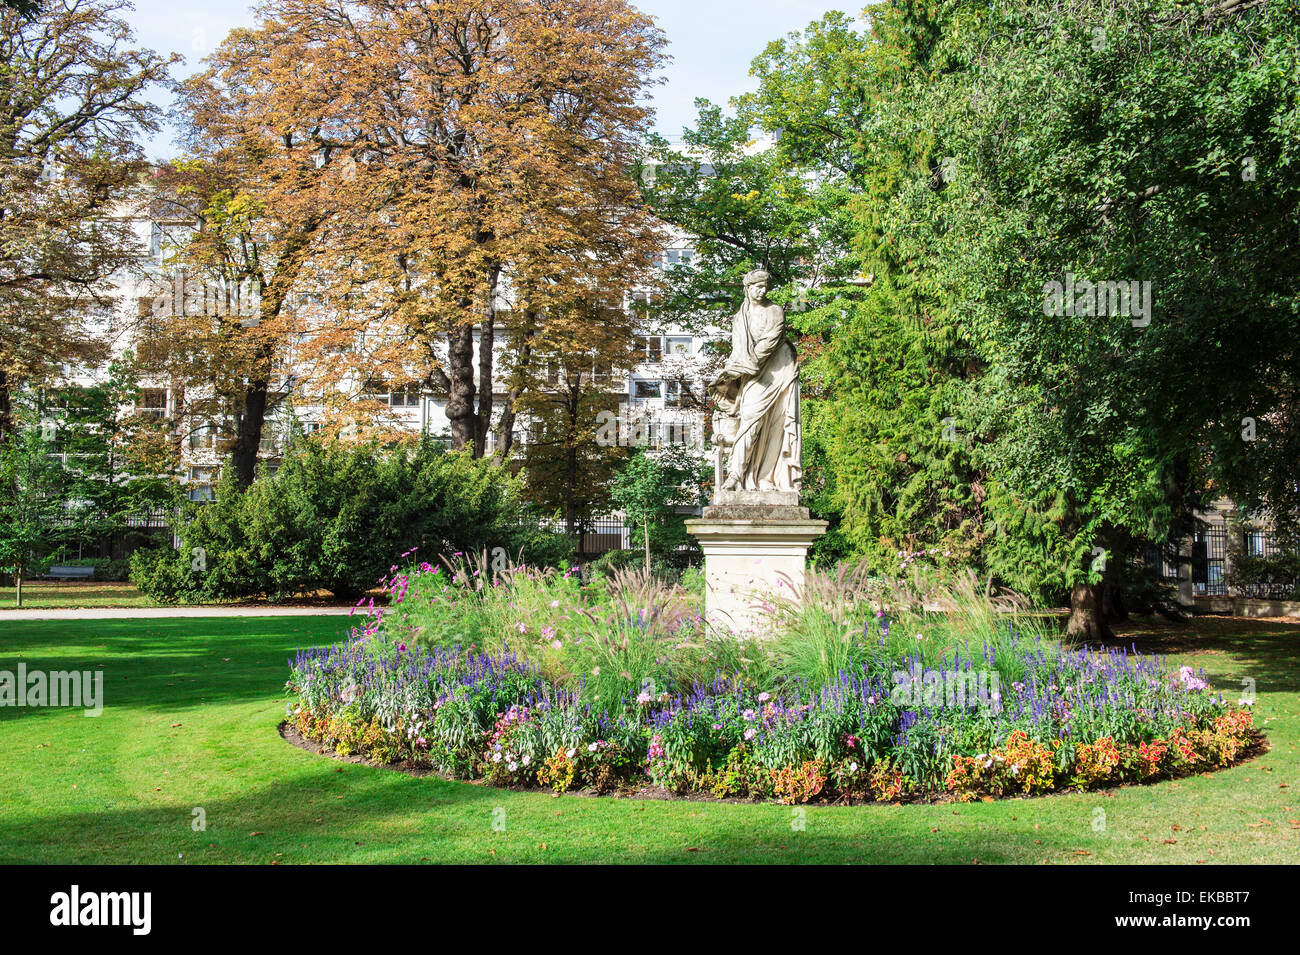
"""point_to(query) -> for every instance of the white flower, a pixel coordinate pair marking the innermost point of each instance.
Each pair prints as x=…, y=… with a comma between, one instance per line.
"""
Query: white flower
x=853, y=767
x=591, y=747
x=512, y=767
x=571, y=753
x=526, y=760
x=496, y=757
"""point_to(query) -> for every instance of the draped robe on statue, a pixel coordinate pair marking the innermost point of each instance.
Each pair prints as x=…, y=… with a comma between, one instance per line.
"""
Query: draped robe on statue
x=764, y=397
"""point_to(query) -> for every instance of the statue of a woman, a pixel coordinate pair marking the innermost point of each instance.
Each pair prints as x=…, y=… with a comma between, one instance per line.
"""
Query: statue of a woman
x=757, y=393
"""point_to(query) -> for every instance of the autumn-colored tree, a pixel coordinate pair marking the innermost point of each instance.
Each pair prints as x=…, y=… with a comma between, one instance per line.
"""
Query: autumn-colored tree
x=471, y=155
x=71, y=112
x=259, y=199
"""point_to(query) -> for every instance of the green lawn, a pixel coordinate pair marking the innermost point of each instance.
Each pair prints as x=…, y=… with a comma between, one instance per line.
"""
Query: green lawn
x=190, y=722
x=41, y=594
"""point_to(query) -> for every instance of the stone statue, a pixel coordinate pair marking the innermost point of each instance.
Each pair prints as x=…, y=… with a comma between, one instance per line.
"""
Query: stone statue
x=757, y=394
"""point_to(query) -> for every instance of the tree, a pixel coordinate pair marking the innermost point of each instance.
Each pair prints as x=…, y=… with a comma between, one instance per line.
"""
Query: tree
x=1131, y=162
x=576, y=355
x=649, y=488
x=474, y=155
x=119, y=462
x=71, y=111
x=996, y=155
x=884, y=368
x=32, y=497
x=748, y=204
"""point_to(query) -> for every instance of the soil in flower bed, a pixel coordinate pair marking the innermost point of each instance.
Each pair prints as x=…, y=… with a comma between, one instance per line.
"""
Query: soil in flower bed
x=1258, y=746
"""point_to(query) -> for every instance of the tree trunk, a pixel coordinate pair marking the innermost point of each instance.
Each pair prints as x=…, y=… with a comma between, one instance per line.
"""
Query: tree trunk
x=6, y=409
x=1087, y=618
x=248, y=440
x=487, y=338
x=506, y=427
x=646, y=525
x=18, y=585
x=461, y=416
x=571, y=482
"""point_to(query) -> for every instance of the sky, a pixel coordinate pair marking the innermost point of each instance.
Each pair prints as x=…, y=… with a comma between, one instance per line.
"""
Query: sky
x=711, y=42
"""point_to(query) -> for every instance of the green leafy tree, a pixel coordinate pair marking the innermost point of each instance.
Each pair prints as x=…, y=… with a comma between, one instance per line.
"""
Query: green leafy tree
x=32, y=497
x=990, y=149
x=120, y=462
x=650, y=487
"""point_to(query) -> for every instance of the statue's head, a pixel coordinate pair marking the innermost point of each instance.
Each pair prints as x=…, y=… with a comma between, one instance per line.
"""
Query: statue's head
x=756, y=283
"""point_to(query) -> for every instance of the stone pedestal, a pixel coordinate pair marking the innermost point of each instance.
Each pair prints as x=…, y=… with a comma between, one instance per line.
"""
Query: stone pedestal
x=754, y=554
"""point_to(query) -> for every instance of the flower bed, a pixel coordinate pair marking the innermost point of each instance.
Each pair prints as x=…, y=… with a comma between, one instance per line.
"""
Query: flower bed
x=1002, y=717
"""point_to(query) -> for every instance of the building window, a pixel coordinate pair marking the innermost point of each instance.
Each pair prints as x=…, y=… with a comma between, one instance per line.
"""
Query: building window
x=200, y=484
x=154, y=402
x=1255, y=543
x=202, y=437
x=678, y=345
x=652, y=346
x=408, y=397
x=642, y=388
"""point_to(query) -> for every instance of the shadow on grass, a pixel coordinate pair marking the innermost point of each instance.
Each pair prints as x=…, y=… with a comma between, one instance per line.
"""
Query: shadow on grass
x=1229, y=648
x=367, y=815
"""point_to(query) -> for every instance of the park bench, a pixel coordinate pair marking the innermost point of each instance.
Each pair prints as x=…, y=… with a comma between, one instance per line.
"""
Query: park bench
x=67, y=573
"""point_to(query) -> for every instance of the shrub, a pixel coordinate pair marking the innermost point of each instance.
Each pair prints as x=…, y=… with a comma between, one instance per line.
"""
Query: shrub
x=329, y=518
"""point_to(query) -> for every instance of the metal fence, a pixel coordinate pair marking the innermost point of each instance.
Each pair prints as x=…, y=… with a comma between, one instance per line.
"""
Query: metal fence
x=597, y=536
x=1263, y=543
x=1209, y=555
x=1158, y=558
x=1211, y=564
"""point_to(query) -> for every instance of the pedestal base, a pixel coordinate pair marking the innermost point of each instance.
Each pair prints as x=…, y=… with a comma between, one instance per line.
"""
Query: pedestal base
x=750, y=562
